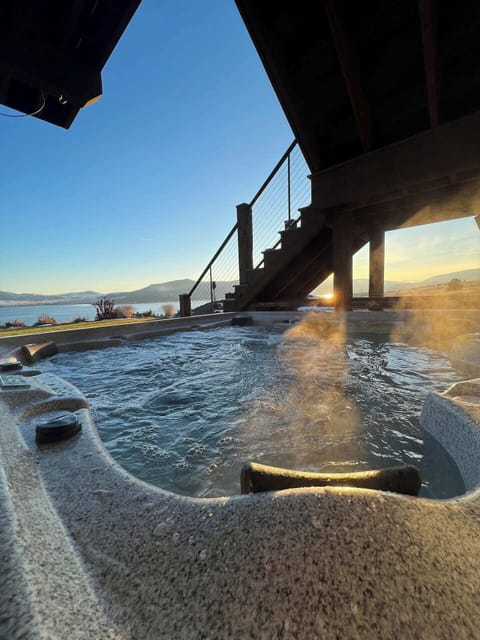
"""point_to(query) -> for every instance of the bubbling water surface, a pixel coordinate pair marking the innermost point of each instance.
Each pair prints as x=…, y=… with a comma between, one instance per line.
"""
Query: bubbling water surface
x=185, y=411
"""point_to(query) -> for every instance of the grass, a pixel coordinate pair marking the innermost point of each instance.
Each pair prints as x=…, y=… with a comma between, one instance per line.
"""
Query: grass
x=74, y=326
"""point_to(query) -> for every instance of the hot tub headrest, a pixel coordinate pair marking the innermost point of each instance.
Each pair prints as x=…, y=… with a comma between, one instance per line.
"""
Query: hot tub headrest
x=259, y=477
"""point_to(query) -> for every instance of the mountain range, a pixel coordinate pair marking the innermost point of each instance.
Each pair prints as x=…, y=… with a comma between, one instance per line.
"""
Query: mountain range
x=360, y=285
x=169, y=291
x=162, y=292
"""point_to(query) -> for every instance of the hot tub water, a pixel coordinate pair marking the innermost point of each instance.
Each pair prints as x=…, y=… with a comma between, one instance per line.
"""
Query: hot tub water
x=185, y=411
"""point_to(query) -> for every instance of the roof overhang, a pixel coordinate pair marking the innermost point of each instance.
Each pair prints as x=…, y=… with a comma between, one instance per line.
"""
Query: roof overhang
x=353, y=77
x=52, y=53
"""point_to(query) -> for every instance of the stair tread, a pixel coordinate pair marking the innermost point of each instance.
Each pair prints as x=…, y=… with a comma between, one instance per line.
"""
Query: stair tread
x=304, y=258
x=271, y=251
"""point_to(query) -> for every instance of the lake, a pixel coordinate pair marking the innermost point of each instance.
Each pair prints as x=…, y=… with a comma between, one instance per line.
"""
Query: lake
x=29, y=314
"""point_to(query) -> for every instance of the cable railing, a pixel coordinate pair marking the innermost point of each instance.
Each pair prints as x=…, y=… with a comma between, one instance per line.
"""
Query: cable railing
x=273, y=208
x=219, y=276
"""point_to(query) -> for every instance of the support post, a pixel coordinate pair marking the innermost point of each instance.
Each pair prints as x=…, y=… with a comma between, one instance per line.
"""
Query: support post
x=342, y=263
x=245, y=241
x=477, y=220
x=289, y=192
x=376, y=281
x=185, y=305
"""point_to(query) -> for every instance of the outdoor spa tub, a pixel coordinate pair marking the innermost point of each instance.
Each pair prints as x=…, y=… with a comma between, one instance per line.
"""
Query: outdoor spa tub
x=91, y=551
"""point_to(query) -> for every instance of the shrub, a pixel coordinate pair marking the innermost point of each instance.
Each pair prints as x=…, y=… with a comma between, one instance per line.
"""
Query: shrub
x=105, y=309
x=79, y=319
x=455, y=284
x=14, y=323
x=145, y=314
x=168, y=310
x=44, y=320
x=125, y=311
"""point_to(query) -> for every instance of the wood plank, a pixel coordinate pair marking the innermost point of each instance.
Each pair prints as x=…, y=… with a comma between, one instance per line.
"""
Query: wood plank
x=449, y=203
x=428, y=22
x=441, y=152
x=349, y=63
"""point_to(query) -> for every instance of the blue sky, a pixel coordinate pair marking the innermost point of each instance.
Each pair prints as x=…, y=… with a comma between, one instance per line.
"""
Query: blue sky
x=143, y=187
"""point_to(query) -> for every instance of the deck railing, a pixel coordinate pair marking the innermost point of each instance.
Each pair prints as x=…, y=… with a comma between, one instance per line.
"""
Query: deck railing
x=273, y=208
x=219, y=276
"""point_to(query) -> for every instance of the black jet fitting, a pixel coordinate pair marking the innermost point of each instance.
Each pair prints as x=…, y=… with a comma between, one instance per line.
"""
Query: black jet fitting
x=10, y=364
x=57, y=429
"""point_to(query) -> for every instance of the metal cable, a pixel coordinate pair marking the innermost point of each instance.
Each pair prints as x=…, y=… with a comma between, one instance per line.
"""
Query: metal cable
x=26, y=115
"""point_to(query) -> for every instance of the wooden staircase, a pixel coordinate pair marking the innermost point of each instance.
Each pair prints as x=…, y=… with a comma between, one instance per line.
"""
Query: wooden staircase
x=290, y=272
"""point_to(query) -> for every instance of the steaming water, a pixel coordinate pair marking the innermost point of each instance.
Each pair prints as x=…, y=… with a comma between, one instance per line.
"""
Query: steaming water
x=185, y=411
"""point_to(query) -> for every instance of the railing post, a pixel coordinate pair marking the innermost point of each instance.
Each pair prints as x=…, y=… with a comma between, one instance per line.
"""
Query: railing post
x=245, y=241
x=212, y=307
x=185, y=305
x=289, y=194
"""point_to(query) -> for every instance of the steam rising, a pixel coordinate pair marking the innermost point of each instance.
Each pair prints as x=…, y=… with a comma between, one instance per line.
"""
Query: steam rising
x=315, y=408
x=463, y=200
x=433, y=328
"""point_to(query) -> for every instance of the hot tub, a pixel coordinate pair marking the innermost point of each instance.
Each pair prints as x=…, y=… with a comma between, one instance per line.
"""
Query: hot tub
x=89, y=550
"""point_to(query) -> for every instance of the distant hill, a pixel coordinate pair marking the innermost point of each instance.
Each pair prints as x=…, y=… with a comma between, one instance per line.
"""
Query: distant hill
x=360, y=285
x=20, y=297
x=9, y=298
x=163, y=292
x=166, y=291
x=82, y=294
x=467, y=274
x=169, y=291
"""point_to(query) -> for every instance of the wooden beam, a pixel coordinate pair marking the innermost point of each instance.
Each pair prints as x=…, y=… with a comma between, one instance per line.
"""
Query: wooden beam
x=349, y=63
x=71, y=23
x=452, y=148
x=447, y=203
x=428, y=22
